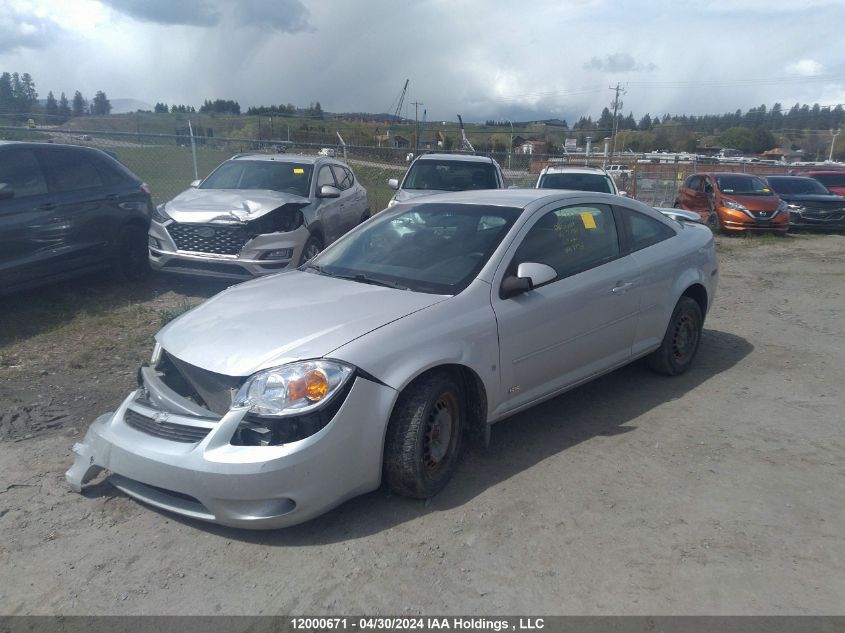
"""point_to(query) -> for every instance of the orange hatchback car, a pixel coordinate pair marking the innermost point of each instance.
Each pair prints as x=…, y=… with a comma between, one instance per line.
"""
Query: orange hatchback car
x=733, y=202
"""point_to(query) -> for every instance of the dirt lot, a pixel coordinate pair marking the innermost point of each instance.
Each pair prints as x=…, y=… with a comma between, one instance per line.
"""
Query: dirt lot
x=719, y=492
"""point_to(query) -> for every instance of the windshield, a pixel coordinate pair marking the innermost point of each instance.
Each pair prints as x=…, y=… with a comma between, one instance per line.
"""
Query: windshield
x=434, y=248
x=831, y=180
x=450, y=175
x=743, y=186
x=578, y=182
x=289, y=177
x=798, y=186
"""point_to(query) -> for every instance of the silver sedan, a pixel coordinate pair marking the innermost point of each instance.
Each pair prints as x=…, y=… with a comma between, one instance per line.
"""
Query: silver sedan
x=279, y=398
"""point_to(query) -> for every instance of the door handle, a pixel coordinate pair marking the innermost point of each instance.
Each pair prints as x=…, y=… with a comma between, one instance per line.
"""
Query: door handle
x=49, y=206
x=621, y=287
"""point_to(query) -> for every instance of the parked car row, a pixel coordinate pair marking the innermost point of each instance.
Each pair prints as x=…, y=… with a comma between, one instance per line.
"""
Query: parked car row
x=381, y=344
x=731, y=201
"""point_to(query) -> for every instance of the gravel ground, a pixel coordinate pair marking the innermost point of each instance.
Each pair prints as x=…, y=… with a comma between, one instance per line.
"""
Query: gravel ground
x=718, y=492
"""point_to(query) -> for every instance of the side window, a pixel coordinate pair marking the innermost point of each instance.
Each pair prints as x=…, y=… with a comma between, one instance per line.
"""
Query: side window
x=325, y=177
x=343, y=176
x=570, y=240
x=21, y=172
x=71, y=171
x=109, y=172
x=694, y=183
x=645, y=231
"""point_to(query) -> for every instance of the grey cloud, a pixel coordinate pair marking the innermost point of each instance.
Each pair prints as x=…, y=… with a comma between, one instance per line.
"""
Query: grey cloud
x=285, y=16
x=21, y=30
x=183, y=12
x=618, y=63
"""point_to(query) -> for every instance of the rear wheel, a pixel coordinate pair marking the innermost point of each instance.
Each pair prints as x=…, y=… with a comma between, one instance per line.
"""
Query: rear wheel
x=680, y=343
x=312, y=248
x=424, y=436
x=132, y=260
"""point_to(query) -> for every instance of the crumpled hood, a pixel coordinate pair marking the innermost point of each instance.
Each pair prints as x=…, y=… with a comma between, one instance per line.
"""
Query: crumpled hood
x=226, y=205
x=283, y=318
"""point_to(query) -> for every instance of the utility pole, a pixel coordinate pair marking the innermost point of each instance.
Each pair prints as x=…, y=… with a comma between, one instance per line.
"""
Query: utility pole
x=416, y=105
x=617, y=106
x=833, y=136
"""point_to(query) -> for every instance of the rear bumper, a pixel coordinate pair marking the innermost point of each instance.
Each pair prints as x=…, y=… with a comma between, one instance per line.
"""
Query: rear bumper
x=257, y=487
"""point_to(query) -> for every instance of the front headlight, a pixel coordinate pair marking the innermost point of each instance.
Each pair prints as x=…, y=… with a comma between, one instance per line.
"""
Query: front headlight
x=292, y=389
x=783, y=207
x=160, y=215
x=731, y=204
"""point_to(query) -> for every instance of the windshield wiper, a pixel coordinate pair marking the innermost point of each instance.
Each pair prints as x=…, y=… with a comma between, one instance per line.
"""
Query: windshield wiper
x=359, y=277
x=364, y=279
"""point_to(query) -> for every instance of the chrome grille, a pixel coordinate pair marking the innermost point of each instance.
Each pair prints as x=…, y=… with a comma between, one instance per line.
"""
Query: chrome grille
x=219, y=239
x=166, y=430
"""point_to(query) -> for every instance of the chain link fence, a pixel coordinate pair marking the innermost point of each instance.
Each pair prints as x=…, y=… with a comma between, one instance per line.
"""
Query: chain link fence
x=169, y=162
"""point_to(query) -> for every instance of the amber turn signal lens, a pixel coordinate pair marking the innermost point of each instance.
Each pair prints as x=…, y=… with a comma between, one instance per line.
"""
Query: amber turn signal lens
x=316, y=385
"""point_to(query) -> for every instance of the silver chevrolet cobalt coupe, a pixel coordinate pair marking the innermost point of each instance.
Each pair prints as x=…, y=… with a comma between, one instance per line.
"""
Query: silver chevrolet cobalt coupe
x=281, y=397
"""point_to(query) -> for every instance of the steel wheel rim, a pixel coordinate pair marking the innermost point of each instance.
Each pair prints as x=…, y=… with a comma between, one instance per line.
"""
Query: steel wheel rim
x=439, y=430
x=684, y=338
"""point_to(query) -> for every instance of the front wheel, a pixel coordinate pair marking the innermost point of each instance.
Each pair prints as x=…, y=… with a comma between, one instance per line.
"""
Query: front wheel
x=424, y=436
x=312, y=248
x=132, y=260
x=680, y=343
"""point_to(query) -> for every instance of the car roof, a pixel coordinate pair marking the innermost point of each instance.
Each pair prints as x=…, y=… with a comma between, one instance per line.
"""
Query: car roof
x=823, y=172
x=518, y=198
x=469, y=158
x=724, y=173
x=279, y=158
x=789, y=177
x=573, y=169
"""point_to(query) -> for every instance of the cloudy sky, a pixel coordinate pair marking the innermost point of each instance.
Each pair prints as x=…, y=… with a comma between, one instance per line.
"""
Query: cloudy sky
x=481, y=58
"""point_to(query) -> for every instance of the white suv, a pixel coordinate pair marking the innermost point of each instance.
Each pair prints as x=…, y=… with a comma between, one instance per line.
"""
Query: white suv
x=578, y=179
x=437, y=173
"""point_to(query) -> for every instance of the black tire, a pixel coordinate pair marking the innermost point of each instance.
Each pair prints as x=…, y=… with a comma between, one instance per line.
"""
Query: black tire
x=132, y=259
x=681, y=341
x=424, y=436
x=312, y=247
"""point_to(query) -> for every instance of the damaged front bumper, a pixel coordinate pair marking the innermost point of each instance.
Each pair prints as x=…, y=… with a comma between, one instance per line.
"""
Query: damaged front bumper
x=261, y=255
x=186, y=463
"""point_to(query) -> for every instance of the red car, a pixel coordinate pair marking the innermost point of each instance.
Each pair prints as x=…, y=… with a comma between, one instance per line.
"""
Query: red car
x=733, y=202
x=833, y=180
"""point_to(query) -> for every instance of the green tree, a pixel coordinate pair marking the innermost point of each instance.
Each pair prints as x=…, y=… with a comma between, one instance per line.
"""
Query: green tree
x=736, y=138
x=101, y=104
x=6, y=96
x=52, y=106
x=761, y=140
x=78, y=104
x=64, y=107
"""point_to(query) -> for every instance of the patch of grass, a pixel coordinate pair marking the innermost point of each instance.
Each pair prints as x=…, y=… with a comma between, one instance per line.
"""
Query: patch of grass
x=166, y=315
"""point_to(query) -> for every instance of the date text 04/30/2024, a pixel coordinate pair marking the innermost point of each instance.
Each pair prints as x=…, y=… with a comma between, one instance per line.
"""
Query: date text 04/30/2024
x=417, y=623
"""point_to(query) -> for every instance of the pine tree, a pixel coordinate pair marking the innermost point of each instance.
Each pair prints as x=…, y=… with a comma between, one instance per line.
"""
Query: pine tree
x=78, y=104
x=52, y=106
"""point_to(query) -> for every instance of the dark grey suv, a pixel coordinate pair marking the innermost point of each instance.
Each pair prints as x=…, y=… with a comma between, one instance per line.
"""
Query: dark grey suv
x=66, y=211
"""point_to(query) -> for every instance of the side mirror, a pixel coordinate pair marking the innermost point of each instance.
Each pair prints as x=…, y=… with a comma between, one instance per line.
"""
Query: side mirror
x=708, y=190
x=539, y=274
x=528, y=276
x=195, y=183
x=624, y=194
x=6, y=191
x=327, y=191
x=393, y=183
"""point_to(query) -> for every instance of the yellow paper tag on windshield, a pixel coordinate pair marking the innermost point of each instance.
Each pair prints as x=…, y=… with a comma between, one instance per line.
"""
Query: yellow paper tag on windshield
x=298, y=170
x=588, y=220
x=766, y=190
